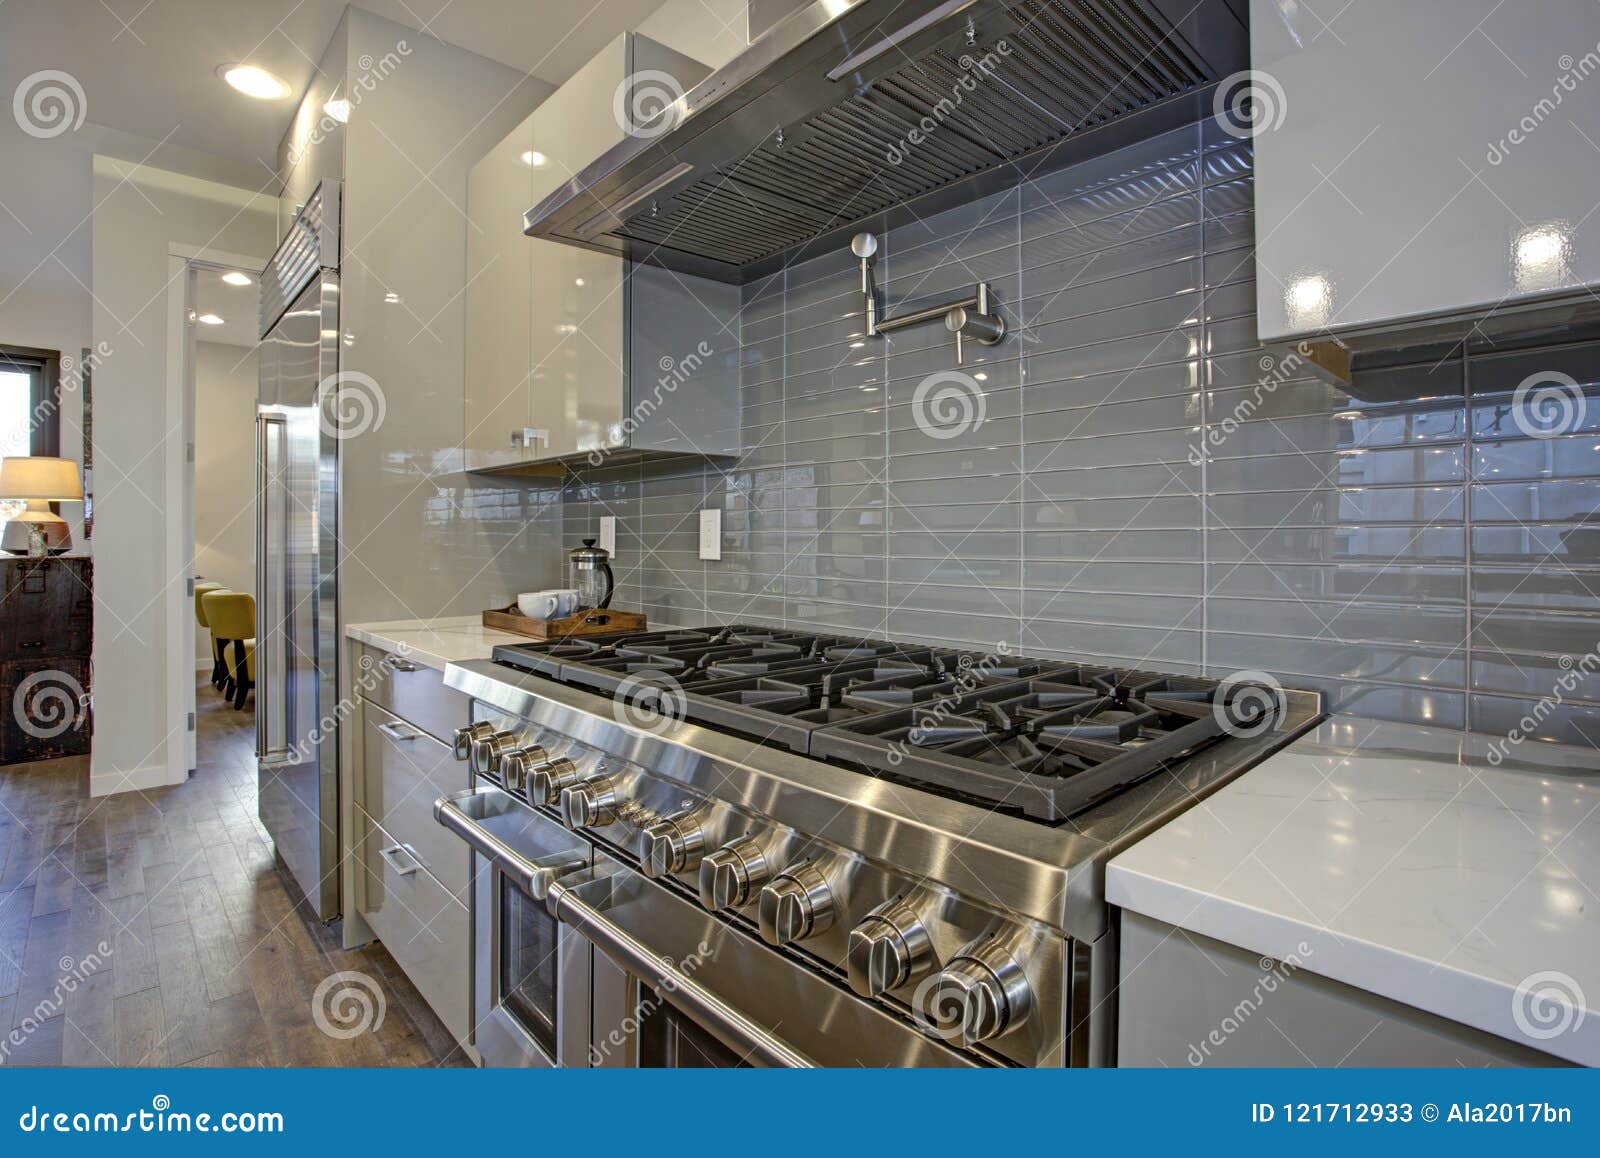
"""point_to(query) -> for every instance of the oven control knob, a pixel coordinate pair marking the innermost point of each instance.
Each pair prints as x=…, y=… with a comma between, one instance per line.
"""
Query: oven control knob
x=982, y=994
x=673, y=844
x=487, y=750
x=796, y=905
x=729, y=875
x=465, y=739
x=514, y=765
x=889, y=948
x=546, y=781
x=591, y=804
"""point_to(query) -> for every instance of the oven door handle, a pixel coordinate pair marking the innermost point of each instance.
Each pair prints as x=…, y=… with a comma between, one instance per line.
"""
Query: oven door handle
x=579, y=901
x=534, y=877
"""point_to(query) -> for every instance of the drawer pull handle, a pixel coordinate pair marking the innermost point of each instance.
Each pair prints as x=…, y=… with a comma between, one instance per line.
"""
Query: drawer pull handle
x=398, y=664
x=34, y=646
x=398, y=732
x=392, y=856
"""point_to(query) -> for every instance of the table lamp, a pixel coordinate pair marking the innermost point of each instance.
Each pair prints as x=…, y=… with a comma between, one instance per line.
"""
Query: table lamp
x=39, y=481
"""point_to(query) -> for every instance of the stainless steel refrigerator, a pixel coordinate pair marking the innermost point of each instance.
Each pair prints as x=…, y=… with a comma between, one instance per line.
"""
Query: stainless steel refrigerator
x=297, y=596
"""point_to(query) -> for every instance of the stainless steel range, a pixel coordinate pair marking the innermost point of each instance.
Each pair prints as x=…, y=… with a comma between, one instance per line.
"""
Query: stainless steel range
x=744, y=844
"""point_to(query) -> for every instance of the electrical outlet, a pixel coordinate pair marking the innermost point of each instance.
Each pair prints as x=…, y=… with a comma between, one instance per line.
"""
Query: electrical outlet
x=608, y=535
x=711, y=533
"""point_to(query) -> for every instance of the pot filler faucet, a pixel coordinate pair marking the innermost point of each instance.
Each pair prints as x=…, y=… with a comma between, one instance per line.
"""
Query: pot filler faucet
x=968, y=318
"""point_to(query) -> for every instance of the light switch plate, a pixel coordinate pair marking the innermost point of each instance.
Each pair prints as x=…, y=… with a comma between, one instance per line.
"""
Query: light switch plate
x=608, y=535
x=711, y=533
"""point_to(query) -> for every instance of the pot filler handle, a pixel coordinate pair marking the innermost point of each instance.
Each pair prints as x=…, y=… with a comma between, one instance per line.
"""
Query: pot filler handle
x=580, y=900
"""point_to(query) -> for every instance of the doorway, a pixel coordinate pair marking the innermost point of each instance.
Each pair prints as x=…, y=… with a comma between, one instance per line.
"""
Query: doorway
x=214, y=309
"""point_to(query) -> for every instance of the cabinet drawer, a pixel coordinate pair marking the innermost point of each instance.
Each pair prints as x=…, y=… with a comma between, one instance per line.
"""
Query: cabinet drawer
x=404, y=770
x=47, y=708
x=411, y=691
x=426, y=930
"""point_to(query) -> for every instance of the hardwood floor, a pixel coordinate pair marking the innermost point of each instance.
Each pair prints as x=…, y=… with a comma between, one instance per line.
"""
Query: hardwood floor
x=155, y=929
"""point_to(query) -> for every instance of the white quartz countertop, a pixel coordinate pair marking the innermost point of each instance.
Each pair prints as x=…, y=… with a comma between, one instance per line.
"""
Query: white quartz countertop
x=1401, y=861
x=434, y=642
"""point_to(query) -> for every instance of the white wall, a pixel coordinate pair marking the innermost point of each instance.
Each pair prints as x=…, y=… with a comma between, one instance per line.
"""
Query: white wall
x=138, y=214
x=224, y=469
x=710, y=31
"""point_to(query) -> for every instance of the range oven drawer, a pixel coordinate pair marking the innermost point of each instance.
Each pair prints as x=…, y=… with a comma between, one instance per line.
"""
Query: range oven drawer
x=530, y=975
x=728, y=986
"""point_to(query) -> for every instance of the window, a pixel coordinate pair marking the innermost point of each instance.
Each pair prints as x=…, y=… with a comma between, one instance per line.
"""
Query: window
x=30, y=402
x=16, y=410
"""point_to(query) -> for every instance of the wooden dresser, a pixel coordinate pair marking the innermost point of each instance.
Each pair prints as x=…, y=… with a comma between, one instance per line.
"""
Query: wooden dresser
x=46, y=630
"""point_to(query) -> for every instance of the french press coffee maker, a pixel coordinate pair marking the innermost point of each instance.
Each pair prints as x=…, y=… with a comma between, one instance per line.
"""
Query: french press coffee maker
x=591, y=576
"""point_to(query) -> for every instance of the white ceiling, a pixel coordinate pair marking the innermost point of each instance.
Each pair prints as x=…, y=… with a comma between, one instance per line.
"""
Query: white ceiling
x=149, y=66
x=237, y=306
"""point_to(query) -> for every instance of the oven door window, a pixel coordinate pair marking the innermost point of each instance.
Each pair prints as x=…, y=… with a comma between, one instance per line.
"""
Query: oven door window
x=529, y=965
x=669, y=1039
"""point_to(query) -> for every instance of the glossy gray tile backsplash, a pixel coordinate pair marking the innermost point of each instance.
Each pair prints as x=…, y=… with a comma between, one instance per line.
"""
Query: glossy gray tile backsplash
x=1128, y=477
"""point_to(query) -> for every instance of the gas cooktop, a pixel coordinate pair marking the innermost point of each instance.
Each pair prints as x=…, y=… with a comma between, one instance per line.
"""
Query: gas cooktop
x=1042, y=738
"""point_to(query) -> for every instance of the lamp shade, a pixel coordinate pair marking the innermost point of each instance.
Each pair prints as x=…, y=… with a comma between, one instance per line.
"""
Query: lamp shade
x=46, y=479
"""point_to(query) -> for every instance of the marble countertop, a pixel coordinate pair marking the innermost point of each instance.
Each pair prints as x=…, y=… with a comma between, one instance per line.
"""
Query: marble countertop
x=1407, y=864
x=434, y=642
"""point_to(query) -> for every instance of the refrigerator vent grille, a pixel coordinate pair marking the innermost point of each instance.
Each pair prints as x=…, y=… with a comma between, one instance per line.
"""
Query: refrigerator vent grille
x=310, y=246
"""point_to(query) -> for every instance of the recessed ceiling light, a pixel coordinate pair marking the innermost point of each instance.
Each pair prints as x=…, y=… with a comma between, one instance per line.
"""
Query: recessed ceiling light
x=234, y=277
x=254, y=82
x=209, y=320
x=534, y=157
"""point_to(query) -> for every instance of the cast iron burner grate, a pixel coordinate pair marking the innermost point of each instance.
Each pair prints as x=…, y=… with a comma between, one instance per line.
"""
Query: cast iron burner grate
x=1048, y=747
x=1044, y=738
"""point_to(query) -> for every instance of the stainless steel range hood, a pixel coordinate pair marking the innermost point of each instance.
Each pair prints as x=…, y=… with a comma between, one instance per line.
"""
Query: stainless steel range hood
x=868, y=113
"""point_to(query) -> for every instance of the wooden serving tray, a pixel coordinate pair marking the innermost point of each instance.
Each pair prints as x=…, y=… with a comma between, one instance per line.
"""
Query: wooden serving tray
x=592, y=621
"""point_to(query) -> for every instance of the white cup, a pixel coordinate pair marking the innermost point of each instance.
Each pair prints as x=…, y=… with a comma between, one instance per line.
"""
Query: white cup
x=554, y=604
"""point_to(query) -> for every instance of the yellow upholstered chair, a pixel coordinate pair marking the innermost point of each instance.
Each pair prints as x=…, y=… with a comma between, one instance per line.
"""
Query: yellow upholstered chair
x=219, y=666
x=231, y=615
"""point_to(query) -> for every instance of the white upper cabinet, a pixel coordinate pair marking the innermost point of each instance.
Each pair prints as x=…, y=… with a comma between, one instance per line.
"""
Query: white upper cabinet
x=562, y=342
x=1431, y=161
x=499, y=284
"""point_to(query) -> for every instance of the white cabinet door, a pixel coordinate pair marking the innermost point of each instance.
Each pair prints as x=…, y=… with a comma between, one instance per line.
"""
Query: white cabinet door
x=576, y=303
x=499, y=190
x=1422, y=159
